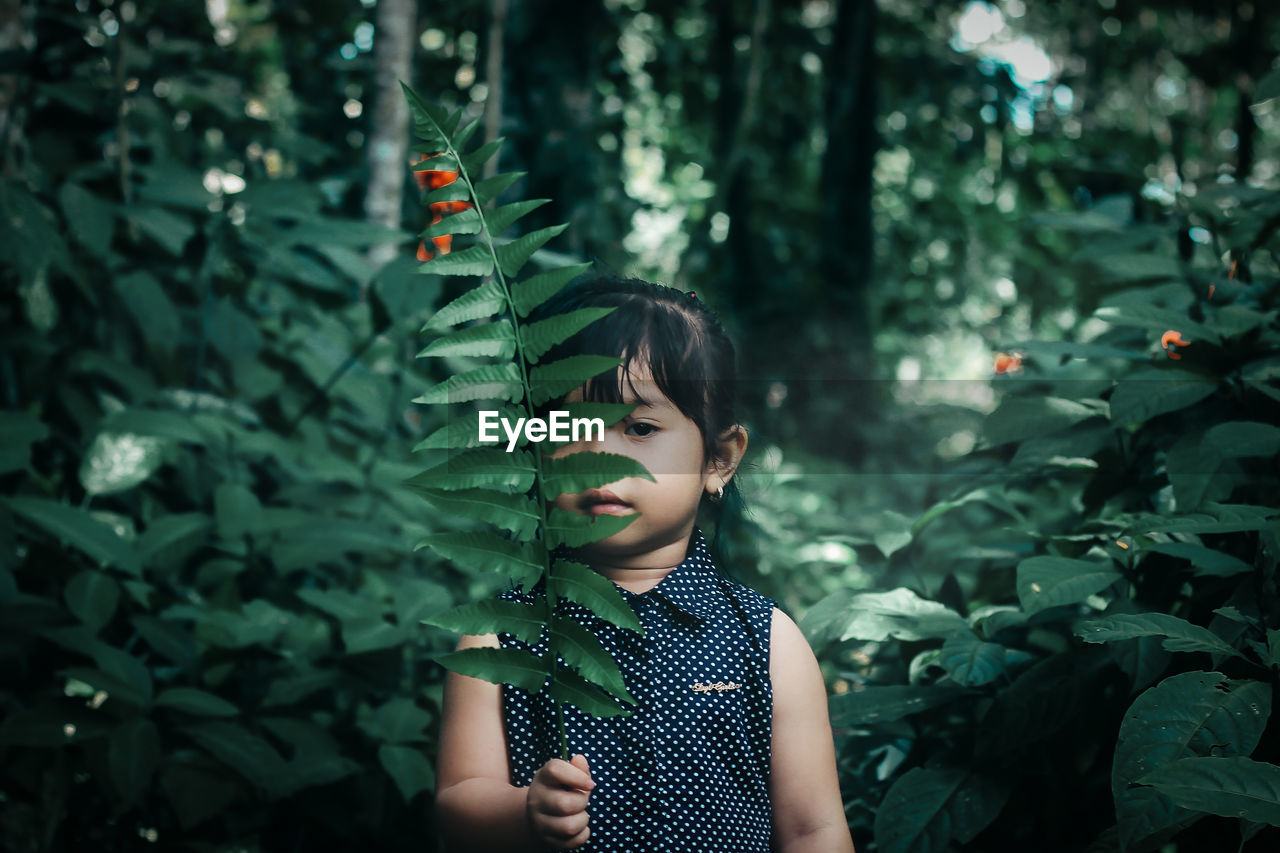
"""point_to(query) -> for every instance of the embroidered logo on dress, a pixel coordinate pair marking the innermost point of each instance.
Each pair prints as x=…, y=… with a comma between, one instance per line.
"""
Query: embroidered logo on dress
x=714, y=686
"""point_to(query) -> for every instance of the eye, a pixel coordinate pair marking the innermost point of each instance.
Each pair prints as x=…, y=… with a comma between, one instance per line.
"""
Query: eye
x=640, y=429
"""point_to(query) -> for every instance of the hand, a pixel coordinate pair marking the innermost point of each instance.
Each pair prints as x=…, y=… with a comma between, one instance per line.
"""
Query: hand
x=557, y=803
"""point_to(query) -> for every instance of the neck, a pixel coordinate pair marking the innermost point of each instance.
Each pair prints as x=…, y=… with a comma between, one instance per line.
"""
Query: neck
x=640, y=572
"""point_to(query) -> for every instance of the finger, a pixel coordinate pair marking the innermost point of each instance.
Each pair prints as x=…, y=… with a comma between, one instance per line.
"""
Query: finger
x=578, y=840
x=566, y=775
x=562, y=829
x=562, y=802
x=580, y=761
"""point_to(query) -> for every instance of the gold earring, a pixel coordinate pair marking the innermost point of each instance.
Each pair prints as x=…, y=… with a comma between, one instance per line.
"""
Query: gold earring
x=718, y=496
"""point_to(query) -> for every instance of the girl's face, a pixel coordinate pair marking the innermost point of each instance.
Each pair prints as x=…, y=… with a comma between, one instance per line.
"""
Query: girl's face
x=669, y=445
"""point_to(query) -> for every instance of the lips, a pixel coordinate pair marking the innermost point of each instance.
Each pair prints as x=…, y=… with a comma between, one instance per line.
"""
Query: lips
x=594, y=502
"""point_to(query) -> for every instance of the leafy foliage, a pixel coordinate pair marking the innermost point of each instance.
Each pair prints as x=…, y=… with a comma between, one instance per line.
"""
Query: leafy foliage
x=517, y=492
x=1116, y=646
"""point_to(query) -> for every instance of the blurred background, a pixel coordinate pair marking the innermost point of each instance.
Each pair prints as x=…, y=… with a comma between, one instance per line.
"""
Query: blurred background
x=906, y=212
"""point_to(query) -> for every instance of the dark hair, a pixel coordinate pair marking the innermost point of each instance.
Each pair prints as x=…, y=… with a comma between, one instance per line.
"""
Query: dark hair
x=675, y=334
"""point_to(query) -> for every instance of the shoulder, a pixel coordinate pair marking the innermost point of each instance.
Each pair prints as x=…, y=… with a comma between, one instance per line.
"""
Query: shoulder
x=791, y=662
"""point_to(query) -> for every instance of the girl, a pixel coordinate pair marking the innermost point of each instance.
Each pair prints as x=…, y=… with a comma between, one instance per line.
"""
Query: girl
x=730, y=748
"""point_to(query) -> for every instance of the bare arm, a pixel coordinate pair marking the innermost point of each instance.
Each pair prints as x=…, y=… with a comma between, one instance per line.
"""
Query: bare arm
x=479, y=808
x=808, y=813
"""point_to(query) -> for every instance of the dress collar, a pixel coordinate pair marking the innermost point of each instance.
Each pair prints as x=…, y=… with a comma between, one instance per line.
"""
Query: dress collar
x=690, y=587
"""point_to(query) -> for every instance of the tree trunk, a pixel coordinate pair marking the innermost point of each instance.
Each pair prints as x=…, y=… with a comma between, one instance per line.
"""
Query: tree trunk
x=493, y=77
x=388, y=142
x=845, y=230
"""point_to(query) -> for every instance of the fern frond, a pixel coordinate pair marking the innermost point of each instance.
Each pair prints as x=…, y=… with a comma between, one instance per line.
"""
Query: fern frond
x=572, y=689
x=502, y=218
x=463, y=431
x=490, y=188
x=575, y=582
x=473, y=161
x=581, y=650
x=475, y=260
x=477, y=303
x=500, y=666
x=491, y=382
x=493, y=616
x=543, y=335
x=512, y=256
x=463, y=222
x=492, y=339
x=610, y=413
x=481, y=468
x=537, y=289
x=574, y=530
x=560, y=377
x=515, y=513
x=522, y=561
x=578, y=472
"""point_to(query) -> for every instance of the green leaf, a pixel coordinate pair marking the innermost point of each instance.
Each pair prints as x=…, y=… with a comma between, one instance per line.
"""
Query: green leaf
x=512, y=512
x=92, y=596
x=1032, y=417
x=1136, y=266
x=398, y=720
x=409, y=768
x=472, y=162
x=927, y=807
x=196, y=793
x=581, y=650
x=545, y=334
x=512, y=256
x=490, y=339
x=465, y=221
x=455, y=190
x=970, y=661
x=1192, y=713
x=533, y=291
x=1217, y=518
x=886, y=704
x=483, y=301
x=574, y=530
x=1209, y=562
x=1144, y=315
x=500, y=666
x=133, y=754
x=474, y=260
x=572, y=689
x=610, y=413
x=463, y=430
x=900, y=613
x=236, y=510
x=192, y=700
x=524, y=562
x=493, y=616
x=578, y=472
x=80, y=530
x=18, y=431
x=90, y=219
x=490, y=188
x=235, y=746
x=575, y=582
x=1144, y=394
x=483, y=467
x=152, y=309
x=1049, y=581
x=169, y=535
x=1240, y=439
x=1039, y=703
x=1179, y=634
x=501, y=218
x=1230, y=787
x=490, y=382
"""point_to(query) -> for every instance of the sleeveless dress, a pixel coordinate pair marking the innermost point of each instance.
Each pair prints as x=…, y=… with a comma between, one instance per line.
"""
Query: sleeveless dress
x=688, y=770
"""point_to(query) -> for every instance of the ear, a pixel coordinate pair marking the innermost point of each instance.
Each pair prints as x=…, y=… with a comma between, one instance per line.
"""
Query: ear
x=730, y=448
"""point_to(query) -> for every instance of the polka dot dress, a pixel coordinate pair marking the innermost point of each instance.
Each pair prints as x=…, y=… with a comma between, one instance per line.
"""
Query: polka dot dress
x=689, y=769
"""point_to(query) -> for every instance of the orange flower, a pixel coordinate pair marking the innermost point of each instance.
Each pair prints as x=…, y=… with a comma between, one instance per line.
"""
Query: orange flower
x=1174, y=337
x=1008, y=363
x=434, y=179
